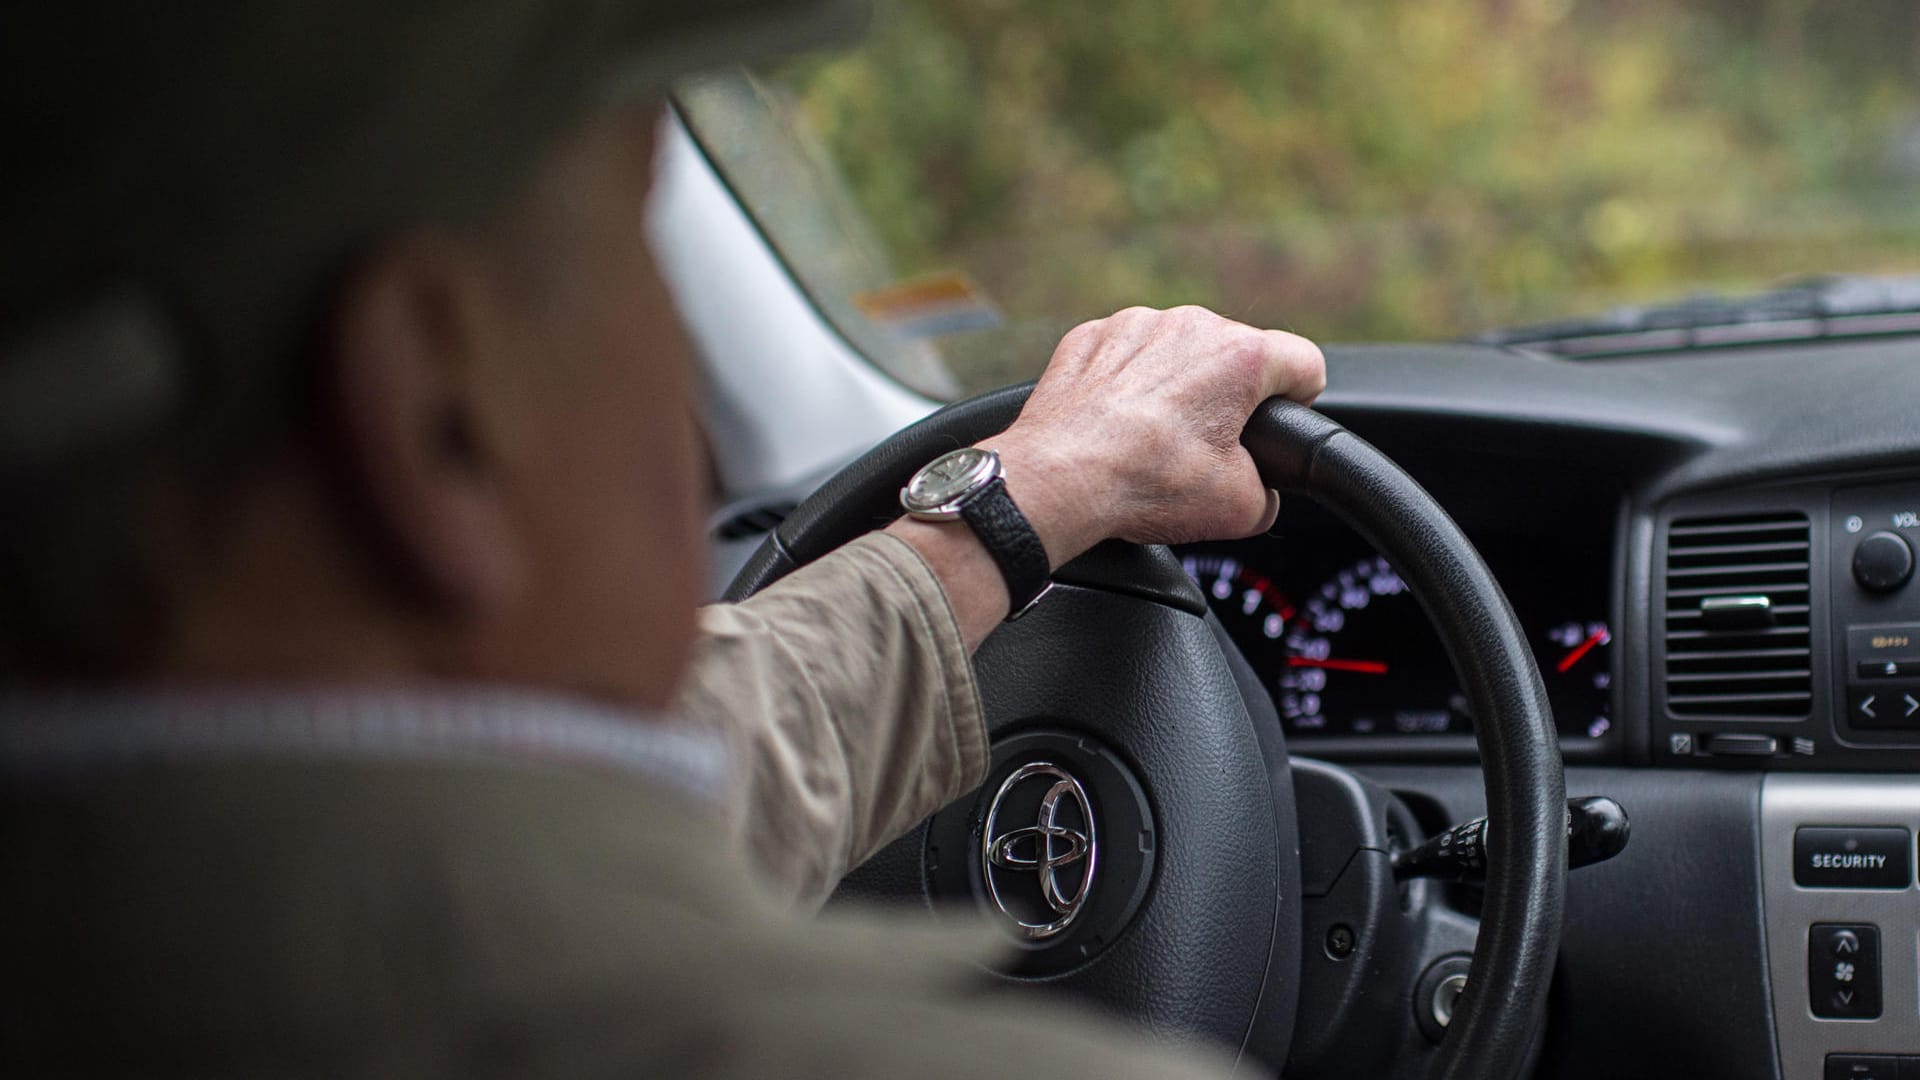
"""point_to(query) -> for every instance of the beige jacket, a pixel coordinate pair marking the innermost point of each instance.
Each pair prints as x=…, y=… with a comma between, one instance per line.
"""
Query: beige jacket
x=471, y=884
x=847, y=701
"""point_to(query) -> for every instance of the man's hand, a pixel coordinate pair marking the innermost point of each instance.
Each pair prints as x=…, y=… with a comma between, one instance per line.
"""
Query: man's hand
x=1133, y=432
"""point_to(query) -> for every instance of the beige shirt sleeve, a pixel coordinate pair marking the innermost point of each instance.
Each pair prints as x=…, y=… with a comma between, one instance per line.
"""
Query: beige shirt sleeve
x=847, y=700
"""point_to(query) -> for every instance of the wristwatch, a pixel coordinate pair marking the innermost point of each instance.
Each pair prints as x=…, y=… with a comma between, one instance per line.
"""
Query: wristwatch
x=969, y=484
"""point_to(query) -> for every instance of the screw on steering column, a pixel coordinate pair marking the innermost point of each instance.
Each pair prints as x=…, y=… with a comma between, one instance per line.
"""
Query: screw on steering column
x=1340, y=941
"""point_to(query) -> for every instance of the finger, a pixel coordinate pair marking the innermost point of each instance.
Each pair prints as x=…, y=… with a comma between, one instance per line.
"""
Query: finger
x=1255, y=506
x=1295, y=368
x=1273, y=512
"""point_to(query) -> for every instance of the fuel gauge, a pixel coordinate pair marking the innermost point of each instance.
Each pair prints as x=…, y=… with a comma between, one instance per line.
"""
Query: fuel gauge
x=1578, y=671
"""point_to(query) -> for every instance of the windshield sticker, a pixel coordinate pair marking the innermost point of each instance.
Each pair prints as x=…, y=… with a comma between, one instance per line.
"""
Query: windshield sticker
x=929, y=307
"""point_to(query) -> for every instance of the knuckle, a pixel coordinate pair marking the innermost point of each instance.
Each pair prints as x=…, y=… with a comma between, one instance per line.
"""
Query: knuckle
x=1083, y=335
x=1195, y=319
x=1247, y=355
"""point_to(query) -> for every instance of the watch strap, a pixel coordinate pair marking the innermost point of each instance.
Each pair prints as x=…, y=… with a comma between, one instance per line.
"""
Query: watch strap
x=1009, y=537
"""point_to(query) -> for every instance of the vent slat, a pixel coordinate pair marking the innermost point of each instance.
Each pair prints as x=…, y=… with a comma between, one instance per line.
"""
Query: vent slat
x=1680, y=531
x=1786, y=589
x=1737, y=676
x=1722, y=551
x=1739, y=672
x=1749, y=569
x=1722, y=635
x=1741, y=654
x=1780, y=611
x=1677, y=700
x=754, y=521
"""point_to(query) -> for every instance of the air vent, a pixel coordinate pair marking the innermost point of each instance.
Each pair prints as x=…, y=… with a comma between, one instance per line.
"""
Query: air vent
x=1738, y=644
x=755, y=521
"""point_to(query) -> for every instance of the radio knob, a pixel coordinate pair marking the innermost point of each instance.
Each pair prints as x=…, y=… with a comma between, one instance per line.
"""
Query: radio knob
x=1883, y=562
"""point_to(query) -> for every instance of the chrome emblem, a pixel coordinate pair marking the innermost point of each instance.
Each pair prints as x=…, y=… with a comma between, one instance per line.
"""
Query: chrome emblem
x=1048, y=848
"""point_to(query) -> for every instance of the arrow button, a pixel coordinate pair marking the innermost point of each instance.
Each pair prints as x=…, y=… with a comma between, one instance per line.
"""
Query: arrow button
x=1866, y=707
x=1911, y=703
x=1843, y=971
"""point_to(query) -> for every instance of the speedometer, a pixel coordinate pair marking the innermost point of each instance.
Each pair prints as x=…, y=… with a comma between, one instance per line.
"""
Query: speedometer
x=1360, y=659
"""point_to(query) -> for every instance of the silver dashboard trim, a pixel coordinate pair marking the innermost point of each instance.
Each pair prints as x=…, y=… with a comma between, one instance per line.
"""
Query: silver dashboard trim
x=1786, y=803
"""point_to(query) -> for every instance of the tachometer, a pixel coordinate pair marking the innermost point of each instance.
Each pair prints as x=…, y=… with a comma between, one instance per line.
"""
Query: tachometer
x=1245, y=600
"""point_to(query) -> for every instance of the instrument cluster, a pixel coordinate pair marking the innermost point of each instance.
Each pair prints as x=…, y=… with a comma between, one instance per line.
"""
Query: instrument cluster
x=1346, y=650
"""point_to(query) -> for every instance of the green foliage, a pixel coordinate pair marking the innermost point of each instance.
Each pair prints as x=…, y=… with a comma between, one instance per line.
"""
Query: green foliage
x=1371, y=169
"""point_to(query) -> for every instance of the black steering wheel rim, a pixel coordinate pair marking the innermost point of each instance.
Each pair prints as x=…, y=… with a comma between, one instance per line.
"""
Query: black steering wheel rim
x=1302, y=452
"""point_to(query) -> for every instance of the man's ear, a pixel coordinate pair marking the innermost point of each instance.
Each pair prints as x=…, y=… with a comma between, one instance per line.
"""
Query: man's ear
x=405, y=370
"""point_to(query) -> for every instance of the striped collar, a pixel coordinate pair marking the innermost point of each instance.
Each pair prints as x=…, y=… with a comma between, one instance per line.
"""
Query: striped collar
x=45, y=734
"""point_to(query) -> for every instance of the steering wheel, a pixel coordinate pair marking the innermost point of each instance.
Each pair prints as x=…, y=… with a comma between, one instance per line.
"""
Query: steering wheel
x=1135, y=834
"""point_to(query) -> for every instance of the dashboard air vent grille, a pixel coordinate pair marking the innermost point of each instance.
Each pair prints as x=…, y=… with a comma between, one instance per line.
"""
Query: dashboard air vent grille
x=1737, y=619
x=754, y=522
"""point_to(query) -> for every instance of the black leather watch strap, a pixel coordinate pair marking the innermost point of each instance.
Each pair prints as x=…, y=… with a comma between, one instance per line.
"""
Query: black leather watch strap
x=1010, y=539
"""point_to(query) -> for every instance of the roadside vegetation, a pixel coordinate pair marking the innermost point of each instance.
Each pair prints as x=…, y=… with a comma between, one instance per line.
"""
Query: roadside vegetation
x=1372, y=170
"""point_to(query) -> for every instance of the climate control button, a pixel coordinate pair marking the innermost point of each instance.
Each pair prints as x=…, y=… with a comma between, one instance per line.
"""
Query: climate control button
x=1865, y=1067
x=1843, y=971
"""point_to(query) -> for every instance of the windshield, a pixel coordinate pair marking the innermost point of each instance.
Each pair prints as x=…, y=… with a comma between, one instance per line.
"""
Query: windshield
x=982, y=174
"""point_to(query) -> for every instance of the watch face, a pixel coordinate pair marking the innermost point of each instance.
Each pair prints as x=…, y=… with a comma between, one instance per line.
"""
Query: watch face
x=949, y=477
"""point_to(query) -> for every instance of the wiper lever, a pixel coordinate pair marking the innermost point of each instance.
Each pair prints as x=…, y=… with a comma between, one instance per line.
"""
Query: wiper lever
x=1597, y=830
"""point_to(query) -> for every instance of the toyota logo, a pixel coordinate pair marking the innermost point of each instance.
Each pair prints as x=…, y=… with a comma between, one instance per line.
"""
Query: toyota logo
x=1057, y=848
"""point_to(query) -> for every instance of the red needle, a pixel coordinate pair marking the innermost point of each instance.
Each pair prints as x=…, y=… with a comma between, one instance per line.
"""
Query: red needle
x=1566, y=662
x=1364, y=667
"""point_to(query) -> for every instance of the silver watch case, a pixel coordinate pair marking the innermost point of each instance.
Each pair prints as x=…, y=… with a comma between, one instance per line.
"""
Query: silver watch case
x=943, y=485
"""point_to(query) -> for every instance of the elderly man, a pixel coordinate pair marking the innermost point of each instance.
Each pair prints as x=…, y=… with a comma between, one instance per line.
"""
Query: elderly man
x=351, y=542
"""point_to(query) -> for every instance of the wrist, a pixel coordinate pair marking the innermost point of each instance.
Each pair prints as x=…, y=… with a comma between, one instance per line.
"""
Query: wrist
x=1058, y=498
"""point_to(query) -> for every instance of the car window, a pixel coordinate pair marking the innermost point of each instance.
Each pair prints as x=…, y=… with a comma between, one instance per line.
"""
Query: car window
x=981, y=174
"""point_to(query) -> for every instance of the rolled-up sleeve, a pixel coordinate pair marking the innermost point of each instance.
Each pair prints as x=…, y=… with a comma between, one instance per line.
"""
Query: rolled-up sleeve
x=848, y=702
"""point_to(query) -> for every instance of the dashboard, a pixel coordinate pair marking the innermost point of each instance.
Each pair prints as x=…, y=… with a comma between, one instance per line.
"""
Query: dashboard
x=1714, y=556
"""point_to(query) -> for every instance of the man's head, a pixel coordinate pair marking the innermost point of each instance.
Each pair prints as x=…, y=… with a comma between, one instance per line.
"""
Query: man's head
x=330, y=348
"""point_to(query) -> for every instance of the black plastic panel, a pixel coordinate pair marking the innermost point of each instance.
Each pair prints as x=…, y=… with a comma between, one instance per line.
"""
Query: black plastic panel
x=1663, y=968
x=1657, y=428
x=1688, y=741
x=1874, y=627
x=1858, y=722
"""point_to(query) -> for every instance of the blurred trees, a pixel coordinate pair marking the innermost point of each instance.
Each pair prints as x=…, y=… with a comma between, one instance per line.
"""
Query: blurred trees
x=1374, y=169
